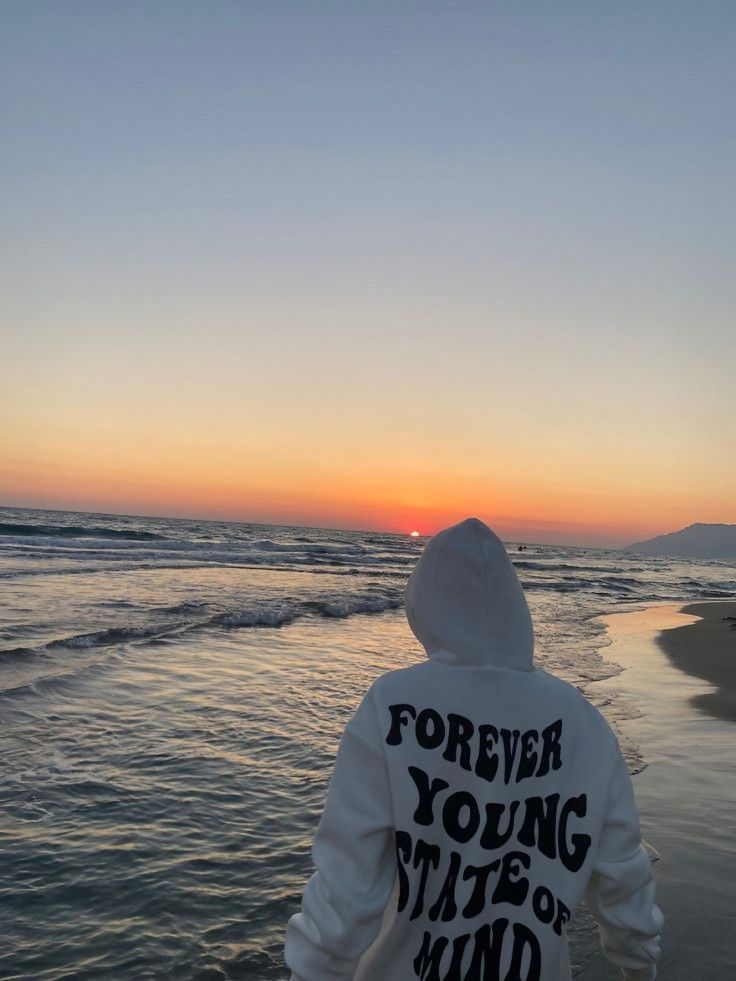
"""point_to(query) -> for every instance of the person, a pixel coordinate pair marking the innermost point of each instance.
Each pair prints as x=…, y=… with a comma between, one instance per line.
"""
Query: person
x=475, y=801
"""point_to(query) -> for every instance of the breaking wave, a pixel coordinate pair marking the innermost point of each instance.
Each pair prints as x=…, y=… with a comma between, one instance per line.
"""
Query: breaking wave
x=77, y=531
x=264, y=614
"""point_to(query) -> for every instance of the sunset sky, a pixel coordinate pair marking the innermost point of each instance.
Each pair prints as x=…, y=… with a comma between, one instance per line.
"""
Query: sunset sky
x=371, y=265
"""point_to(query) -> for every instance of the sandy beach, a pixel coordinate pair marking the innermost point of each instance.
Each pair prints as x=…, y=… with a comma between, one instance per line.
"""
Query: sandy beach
x=707, y=650
x=678, y=686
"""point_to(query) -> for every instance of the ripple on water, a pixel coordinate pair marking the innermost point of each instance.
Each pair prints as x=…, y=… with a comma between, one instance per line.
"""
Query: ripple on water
x=170, y=811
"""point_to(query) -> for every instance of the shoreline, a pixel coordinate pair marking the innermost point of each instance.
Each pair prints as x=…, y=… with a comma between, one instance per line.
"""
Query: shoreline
x=706, y=649
x=686, y=793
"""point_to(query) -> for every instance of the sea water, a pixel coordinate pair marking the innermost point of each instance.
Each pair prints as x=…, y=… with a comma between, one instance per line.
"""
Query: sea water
x=171, y=698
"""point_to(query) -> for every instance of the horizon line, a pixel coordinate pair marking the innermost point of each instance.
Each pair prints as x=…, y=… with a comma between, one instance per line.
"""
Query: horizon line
x=265, y=524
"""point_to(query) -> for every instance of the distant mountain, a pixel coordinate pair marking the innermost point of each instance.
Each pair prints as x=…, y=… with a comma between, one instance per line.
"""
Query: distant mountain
x=698, y=541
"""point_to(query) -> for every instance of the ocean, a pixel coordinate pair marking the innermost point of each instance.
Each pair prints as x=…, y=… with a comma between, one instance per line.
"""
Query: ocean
x=171, y=697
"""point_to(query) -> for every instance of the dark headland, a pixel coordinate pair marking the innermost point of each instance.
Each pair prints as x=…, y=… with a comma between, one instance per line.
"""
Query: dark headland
x=697, y=541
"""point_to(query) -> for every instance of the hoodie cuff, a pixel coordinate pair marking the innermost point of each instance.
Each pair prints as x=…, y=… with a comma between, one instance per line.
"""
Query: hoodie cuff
x=641, y=974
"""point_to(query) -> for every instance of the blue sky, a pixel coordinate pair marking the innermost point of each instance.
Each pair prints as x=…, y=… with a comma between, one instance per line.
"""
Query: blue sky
x=458, y=235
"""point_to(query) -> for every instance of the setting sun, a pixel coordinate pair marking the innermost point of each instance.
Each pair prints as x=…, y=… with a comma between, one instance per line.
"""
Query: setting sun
x=414, y=534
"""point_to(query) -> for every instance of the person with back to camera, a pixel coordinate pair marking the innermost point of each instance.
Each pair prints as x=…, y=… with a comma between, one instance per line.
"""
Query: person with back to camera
x=475, y=800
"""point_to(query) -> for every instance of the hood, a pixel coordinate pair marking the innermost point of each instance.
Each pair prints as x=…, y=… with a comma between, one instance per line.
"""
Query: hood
x=464, y=601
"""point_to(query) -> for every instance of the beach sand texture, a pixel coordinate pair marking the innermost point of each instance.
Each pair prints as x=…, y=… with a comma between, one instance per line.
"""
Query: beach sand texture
x=687, y=793
x=707, y=650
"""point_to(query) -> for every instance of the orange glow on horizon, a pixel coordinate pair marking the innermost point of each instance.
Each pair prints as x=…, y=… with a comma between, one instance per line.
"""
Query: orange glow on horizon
x=595, y=517
x=551, y=495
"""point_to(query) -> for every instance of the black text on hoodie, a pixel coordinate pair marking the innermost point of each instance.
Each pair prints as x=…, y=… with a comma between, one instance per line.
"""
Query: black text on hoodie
x=474, y=802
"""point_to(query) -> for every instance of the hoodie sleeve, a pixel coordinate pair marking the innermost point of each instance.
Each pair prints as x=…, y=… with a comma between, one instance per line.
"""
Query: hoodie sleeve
x=354, y=853
x=620, y=892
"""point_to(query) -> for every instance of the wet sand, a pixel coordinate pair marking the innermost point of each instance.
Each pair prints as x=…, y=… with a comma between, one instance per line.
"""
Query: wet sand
x=678, y=703
x=707, y=650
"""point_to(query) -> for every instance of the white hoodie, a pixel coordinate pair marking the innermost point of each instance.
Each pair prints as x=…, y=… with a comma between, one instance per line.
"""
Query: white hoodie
x=474, y=802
